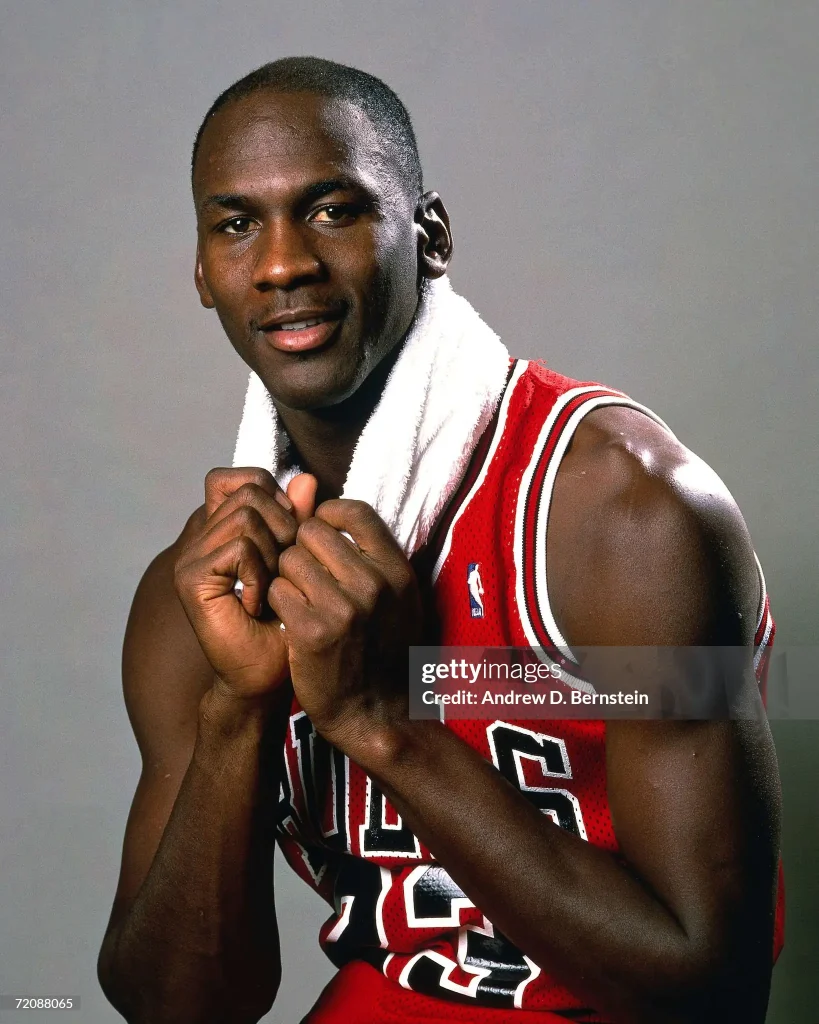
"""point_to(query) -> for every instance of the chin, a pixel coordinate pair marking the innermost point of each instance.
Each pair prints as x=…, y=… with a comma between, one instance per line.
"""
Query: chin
x=312, y=389
x=314, y=383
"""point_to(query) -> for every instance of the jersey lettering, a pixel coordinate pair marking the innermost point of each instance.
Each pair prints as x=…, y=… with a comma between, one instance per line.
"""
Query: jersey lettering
x=359, y=891
x=432, y=899
x=510, y=971
x=318, y=762
x=488, y=966
x=380, y=838
x=511, y=745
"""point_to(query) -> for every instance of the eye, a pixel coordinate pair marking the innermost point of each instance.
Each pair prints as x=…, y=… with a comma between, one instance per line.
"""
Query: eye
x=335, y=213
x=237, y=226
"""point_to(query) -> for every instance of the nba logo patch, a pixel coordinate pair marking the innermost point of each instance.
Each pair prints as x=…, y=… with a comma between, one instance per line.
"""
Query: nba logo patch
x=475, y=588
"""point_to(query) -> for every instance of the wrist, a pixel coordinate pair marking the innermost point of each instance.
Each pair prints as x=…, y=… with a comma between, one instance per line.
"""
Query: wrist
x=378, y=745
x=228, y=714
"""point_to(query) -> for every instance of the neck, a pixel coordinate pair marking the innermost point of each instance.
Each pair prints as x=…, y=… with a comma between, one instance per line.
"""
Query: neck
x=324, y=439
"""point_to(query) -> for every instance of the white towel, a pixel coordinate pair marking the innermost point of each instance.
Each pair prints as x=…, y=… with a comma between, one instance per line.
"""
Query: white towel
x=413, y=452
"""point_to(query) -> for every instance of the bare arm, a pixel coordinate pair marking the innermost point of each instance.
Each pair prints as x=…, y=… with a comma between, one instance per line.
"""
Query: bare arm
x=678, y=930
x=193, y=935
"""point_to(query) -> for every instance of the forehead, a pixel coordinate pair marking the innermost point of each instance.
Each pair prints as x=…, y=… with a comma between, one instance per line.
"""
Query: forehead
x=289, y=138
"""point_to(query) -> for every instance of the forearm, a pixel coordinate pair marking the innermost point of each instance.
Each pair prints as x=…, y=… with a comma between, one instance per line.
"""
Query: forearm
x=572, y=907
x=199, y=942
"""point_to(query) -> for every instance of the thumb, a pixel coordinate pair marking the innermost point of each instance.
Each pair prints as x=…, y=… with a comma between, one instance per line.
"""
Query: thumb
x=302, y=492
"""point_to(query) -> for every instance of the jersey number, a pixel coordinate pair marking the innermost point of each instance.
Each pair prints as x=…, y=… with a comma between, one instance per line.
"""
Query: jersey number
x=488, y=967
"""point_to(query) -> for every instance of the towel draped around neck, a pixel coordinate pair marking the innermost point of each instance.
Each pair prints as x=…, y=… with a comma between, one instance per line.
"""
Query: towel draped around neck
x=414, y=450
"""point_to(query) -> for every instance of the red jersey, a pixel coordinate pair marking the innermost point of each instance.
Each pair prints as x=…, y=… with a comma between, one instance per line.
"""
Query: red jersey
x=410, y=944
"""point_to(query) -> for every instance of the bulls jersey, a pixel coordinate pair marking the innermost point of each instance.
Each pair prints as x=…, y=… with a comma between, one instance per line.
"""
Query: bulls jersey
x=410, y=944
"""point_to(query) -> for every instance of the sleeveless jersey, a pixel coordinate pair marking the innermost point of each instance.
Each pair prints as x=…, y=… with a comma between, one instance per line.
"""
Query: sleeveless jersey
x=410, y=944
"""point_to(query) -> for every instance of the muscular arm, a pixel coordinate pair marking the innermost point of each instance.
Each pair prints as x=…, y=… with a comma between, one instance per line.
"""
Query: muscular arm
x=645, y=547
x=192, y=935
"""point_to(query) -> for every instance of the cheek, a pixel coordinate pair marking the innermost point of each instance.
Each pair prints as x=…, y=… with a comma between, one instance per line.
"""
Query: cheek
x=227, y=284
x=396, y=265
x=229, y=295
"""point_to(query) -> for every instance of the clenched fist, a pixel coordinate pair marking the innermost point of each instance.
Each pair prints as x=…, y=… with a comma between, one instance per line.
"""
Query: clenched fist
x=350, y=601
x=249, y=521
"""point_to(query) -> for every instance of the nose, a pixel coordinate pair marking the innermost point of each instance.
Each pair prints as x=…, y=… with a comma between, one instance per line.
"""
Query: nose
x=286, y=258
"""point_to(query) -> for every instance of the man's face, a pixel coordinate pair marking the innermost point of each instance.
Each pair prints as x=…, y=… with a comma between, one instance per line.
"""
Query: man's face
x=302, y=217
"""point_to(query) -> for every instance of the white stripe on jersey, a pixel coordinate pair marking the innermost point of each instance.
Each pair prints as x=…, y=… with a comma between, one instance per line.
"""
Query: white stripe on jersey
x=763, y=594
x=542, y=513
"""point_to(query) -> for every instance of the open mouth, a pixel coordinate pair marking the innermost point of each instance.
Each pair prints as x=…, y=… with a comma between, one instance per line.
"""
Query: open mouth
x=300, y=325
x=302, y=335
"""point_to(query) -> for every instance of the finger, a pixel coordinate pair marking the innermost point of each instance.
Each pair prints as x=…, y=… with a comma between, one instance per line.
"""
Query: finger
x=210, y=576
x=306, y=572
x=354, y=571
x=302, y=492
x=281, y=523
x=244, y=521
x=363, y=524
x=221, y=482
x=358, y=578
x=288, y=604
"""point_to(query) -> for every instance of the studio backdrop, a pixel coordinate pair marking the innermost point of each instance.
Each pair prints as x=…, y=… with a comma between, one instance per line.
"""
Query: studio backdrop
x=633, y=189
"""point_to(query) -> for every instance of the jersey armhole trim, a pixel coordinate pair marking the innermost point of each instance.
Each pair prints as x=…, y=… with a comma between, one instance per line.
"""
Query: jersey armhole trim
x=532, y=514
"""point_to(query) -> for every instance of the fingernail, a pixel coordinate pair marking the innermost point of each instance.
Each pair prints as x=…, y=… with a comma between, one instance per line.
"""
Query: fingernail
x=284, y=501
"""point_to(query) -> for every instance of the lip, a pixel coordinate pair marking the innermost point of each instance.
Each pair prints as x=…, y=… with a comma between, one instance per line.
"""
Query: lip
x=306, y=339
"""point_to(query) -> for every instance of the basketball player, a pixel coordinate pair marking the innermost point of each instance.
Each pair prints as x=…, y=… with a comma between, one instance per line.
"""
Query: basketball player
x=508, y=871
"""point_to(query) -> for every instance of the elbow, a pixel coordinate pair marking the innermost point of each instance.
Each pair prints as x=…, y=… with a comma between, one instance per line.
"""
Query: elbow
x=110, y=979
x=150, y=998
x=710, y=986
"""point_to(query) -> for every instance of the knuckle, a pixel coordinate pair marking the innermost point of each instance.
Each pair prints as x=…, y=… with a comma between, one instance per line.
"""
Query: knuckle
x=217, y=482
x=285, y=533
x=346, y=616
x=317, y=635
x=245, y=517
x=359, y=511
x=235, y=479
x=276, y=589
x=247, y=493
x=245, y=549
x=370, y=589
x=258, y=477
x=309, y=529
x=289, y=560
x=215, y=476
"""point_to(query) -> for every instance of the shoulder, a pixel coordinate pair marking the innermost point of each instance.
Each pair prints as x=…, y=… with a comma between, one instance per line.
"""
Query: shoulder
x=645, y=543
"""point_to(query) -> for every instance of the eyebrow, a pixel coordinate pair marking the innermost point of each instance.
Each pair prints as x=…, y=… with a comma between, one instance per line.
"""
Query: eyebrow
x=313, y=191
x=323, y=188
x=225, y=201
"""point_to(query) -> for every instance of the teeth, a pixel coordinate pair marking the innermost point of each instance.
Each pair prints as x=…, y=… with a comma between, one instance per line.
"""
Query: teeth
x=300, y=326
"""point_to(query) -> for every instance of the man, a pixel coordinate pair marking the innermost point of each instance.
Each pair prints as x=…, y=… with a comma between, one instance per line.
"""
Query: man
x=633, y=877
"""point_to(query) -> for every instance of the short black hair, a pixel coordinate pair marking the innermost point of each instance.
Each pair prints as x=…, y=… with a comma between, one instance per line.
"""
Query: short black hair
x=385, y=110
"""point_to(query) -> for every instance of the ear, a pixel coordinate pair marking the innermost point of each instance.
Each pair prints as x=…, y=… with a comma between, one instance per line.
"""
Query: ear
x=434, y=236
x=205, y=296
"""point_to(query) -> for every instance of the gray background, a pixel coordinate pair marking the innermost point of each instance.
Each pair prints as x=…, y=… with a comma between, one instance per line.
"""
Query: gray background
x=633, y=187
